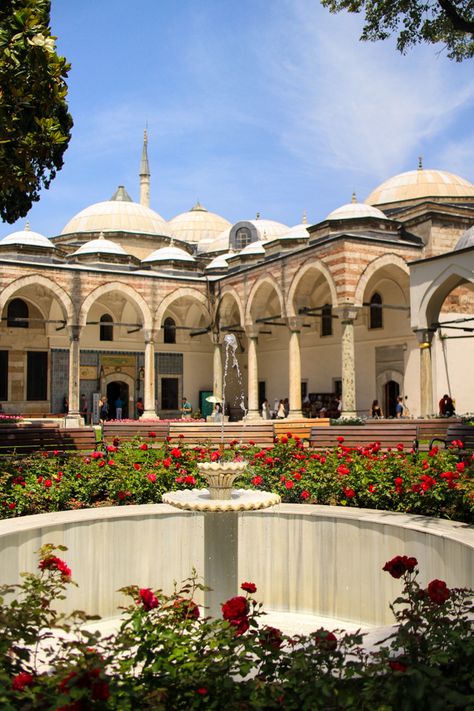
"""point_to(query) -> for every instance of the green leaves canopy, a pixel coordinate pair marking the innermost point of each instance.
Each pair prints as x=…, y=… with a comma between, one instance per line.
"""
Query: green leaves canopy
x=35, y=124
x=449, y=22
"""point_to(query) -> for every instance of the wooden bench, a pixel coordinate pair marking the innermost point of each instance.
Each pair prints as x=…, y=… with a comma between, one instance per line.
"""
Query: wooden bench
x=387, y=436
x=127, y=431
x=300, y=427
x=27, y=439
x=260, y=432
x=459, y=433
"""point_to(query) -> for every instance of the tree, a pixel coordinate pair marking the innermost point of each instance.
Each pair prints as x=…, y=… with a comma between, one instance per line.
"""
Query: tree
x=450, y=22
x=35, y=126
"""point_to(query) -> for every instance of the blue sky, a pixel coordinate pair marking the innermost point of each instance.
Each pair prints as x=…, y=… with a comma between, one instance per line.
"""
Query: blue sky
x=273, y=107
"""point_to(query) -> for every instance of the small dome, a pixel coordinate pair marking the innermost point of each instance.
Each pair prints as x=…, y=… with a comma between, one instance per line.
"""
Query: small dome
x=100, y=246
x=355, y=210
x=169, y=254
x=27, y=238
x=417, y=184
x=297, y=232
x=466, y=240
x=197, y=225
x=119, y=214
x=254, y=248
x=269, y=229
x=219, y=244
x=219, y=262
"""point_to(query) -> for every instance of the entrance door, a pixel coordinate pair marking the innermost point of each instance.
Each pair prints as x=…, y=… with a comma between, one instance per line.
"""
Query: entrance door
x=117, y=389
x=169, y=393
x=392, y=391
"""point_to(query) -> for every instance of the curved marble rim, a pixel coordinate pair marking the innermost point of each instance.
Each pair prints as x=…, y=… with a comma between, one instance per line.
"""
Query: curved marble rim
x=176, y=499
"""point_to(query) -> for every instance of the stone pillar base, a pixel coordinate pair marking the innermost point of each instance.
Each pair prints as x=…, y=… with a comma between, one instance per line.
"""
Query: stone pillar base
x=73, y=420
x=148, y=415
x=348, y=413
x=252, y=415
x=294, y=415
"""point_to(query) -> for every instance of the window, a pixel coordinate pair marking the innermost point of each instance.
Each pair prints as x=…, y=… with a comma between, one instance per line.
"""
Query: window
x=17, y=309
x=106, y=328
x=326, y=320
x=169, y=328
x=242, y=238
x=376, y=320
x=37, y=375
x=169, y=393
x=3, y=375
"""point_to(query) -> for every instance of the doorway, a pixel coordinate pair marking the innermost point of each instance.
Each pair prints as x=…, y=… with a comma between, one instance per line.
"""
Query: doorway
x=117, y=389
x=392, y=391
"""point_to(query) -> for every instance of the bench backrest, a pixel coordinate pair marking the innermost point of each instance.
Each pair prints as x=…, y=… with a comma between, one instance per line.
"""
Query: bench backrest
x=126, y=432
x=27, y=439
x=260, y=432
x=362, y=435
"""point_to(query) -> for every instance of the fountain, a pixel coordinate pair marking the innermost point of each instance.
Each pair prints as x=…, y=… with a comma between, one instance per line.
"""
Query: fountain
x=220, y=504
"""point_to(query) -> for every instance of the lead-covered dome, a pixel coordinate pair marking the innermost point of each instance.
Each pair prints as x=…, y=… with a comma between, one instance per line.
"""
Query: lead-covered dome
x=197, y=225
x=119, y=214
x=27, y=238
x=355, y=210
x=418, y=184
x=100, y=246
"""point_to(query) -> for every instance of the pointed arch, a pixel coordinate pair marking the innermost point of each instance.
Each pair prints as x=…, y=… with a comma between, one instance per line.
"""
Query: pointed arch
x=300, y=277
x=394, y=261
x=230, y=293
x=182, y=293
x=429, y=305
x=124, y=290
x=57, y=292
x=269, y=282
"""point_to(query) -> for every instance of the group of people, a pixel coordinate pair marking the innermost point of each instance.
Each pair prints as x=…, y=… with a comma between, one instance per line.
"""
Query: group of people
x=446, y=406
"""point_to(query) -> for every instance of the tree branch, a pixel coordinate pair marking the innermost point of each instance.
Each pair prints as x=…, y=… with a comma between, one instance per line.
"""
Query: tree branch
x=457, y=21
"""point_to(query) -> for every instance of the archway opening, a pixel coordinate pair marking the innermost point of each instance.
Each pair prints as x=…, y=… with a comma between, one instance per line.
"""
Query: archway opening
x=392, y=391
x=117, y=390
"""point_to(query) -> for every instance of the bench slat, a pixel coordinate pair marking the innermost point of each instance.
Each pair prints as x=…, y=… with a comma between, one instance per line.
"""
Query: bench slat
x=362, y=435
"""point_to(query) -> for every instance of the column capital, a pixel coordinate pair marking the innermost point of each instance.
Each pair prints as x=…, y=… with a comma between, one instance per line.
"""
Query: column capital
x=74, y=332
x=424, y=337
x=251, y=330
x=149, y=335
x=347, y=312
x=295, y=323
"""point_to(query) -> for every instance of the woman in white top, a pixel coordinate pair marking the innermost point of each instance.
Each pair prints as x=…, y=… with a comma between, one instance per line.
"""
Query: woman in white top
x=281, y=411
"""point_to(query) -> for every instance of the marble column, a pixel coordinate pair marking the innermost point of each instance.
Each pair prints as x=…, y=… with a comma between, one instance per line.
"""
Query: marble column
x=73, y=418
x=253, y=412
x=217, y=373
x=347, y=315
x=294, y=365
x=149, y=380
x=425, y=338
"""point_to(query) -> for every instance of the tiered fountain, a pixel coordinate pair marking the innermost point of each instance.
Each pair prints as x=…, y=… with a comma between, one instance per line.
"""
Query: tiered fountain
x=220, y=504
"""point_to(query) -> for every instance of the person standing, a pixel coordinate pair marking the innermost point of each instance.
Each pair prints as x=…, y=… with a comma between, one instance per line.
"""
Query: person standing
x=217, y=412
x=119, y=403
x=399, y=407
x=103, y=408
x=281, y=411
x=376, y=410
x=140, y=407
x=84, y=409
x=266, y=414
x=186, y=408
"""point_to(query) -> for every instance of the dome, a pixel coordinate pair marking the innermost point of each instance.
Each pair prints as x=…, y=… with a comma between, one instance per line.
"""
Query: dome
x=297, y=232
x=219, y=262
x=100, y=246
x=27, y=238
x=197, y=225
x=169, y=254
x=417, y=184
x=254, y=248
x=466, y=240
x=269, y=229
x=355, y=210
x=119, y=214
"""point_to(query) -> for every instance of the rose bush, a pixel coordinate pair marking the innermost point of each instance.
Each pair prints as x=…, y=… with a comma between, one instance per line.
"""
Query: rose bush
x=163, y=659
x=432, y=483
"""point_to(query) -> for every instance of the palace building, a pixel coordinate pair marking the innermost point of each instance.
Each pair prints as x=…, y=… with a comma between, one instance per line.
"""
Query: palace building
x=374, y=302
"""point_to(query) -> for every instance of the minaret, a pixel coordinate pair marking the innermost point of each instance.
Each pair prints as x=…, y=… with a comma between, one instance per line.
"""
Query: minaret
x=145, y=174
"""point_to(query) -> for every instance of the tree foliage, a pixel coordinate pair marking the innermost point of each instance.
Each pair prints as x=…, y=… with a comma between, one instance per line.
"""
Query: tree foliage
x=35, y=126
x=450, y=22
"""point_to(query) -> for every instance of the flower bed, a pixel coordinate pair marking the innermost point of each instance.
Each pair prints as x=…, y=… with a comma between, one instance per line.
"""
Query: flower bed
x=166, y=656
x=432, y=484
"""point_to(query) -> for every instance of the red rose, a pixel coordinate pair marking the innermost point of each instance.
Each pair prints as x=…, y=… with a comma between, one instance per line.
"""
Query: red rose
x=186, y=609
x=340, y=439
x=397, y=666
x=21, y=680
x=52, y=562
x=235, y=611
x=111, y=448
x=189, y=480
x=143, y=446
x=152, y=434
x=343, y=470
x=289, y=484
x=202, y=691
x=399, y=565
x=249, y=587
x=151, y=477
x=350, y=493
x=257, y=480
x=137, y=467
x=176, y=453
x=305, y=494
x=398, y=481
x=47, y=483
x=271, y=637
x=148, y=598
x=438, y=591
x=326, y=640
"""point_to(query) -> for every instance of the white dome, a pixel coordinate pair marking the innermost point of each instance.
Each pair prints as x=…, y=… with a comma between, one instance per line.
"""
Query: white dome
x=27, y=238
x=220, y=244
x=269, y=229
x=297, y=232
x=100, y=246
x=120, y=214
x=219, y=262
x=354, y=210
x=420, y=184
x=254, y=248
x=168, y=254
x=466, y=240
x=197, y=225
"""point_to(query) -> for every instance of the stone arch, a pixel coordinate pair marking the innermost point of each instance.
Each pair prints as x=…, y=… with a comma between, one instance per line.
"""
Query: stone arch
x=57, y=293
x=299, y=278
x=124, y=289
x=269, y=282
x=432, y=299
x=387, y=260
x=184, y=292
x=228, y=294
